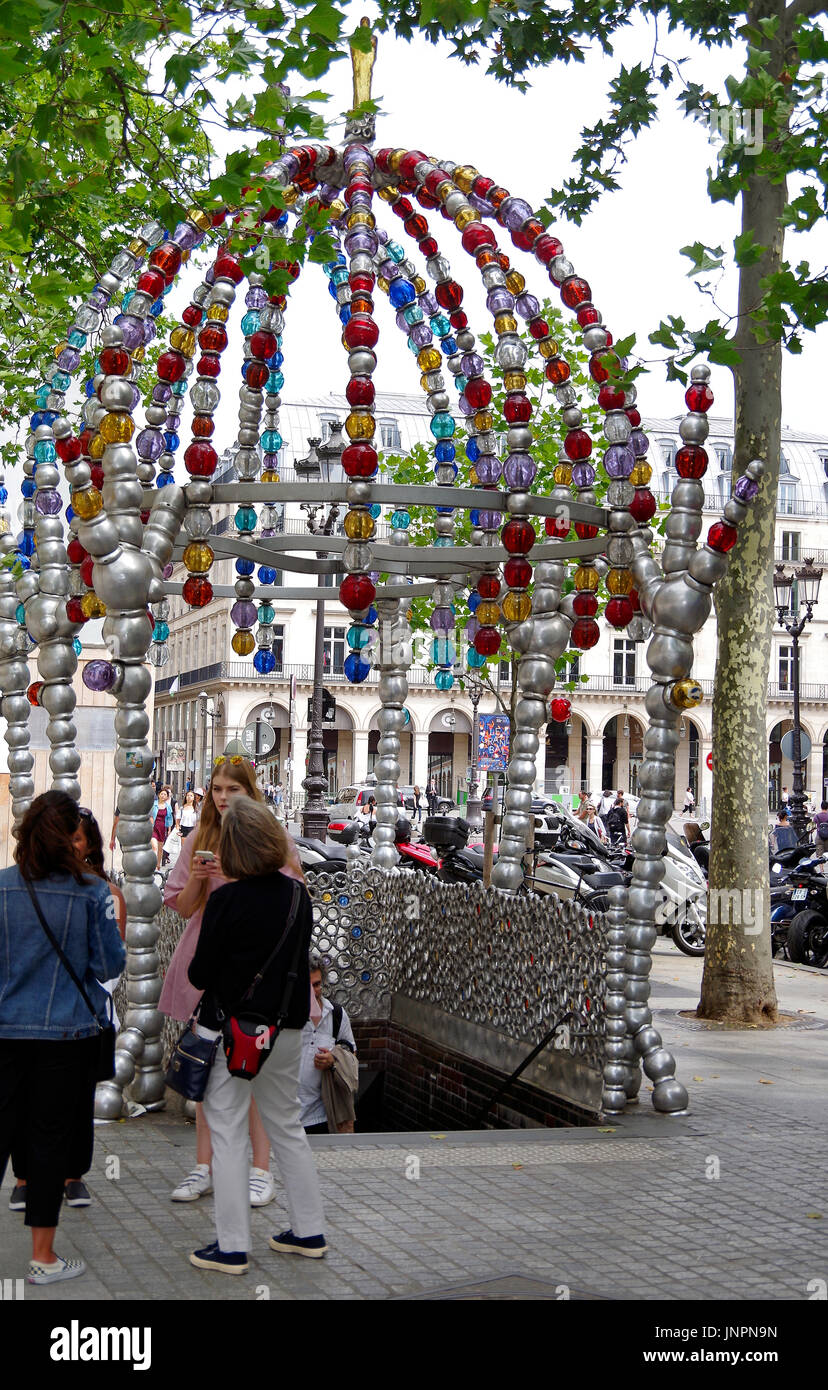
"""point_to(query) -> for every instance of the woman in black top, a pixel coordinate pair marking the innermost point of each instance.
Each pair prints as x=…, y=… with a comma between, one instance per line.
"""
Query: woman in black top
x=243, y=922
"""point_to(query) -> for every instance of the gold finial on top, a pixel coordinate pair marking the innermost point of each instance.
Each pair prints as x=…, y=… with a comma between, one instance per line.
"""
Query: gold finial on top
x=363, y=66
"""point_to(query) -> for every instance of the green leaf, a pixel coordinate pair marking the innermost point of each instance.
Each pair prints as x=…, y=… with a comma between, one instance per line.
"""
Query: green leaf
x=325, y=20
x=746, y=251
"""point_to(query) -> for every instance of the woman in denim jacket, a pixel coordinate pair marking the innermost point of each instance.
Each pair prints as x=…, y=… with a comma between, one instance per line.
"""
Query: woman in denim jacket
x=48, y=1038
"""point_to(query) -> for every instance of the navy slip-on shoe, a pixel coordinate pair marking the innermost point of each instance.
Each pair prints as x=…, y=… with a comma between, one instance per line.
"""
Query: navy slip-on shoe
x=287, y=1243
x=225, y=1261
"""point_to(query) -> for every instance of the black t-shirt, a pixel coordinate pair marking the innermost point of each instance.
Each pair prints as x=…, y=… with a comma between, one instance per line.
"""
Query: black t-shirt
x=242, y=923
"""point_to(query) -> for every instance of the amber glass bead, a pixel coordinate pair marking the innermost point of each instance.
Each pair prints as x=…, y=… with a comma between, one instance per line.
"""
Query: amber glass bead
x=97, y=445
x=291, y=195
x=360, y=426
x=505, y=323
x=183, y=341
x=419, y=284
x=382, y=283
x=619, y=581
x=484, y=257
x=218, y=312
x=429, y=359
x=203, y=426
x=198, y=557
x=515, y=282
x=514, y=381
x=92, y=607
x=464, y=176
x=270, y=476
x=487, y=614
x=562, y=473
x=199, y=219
x=362, y=218
x=139, y=354
x=585, y=577
x=388, y=195
x=516, y=607
x=337, y=209
x=473, y=478
x=641, y=474
x=483, y=420
x=465, y=216
x=243, y=642
x=547, y=347
x=137, y=247
x=117, y=428
x=359, y=525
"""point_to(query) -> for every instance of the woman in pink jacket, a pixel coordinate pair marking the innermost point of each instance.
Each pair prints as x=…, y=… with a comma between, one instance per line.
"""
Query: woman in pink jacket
x=195, y=876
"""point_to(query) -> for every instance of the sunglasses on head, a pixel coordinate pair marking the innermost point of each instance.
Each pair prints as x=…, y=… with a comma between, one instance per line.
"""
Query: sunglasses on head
x=85, y=812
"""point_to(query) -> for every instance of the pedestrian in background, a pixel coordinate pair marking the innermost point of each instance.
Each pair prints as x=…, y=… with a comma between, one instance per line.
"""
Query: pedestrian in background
x=431, y=798
x=320, y=1039
x=189, y=815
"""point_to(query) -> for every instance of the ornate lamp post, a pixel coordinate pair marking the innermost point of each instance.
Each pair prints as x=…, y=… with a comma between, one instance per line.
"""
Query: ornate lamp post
x=206, y=714
x=787, y=600
x=317, y=468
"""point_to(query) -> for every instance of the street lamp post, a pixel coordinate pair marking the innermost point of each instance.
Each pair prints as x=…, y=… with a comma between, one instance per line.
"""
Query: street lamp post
x=474, y=809
x=206, y=714
x=316, y=467
x=787, y=602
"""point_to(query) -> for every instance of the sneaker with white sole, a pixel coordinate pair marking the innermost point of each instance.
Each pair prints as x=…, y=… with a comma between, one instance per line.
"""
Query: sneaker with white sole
x=196, y=1184
x=76, y=1194
x=262, y=1189
x=287, y=1243
x=17, y=1200
x=224, y=1261
x=40, y=1273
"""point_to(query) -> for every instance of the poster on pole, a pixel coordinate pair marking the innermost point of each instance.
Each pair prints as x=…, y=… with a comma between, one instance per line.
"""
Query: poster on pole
x=176, y=760
x=493, y=742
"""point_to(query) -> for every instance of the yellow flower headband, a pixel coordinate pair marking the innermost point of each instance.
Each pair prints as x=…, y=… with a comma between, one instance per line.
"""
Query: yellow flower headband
x=236, y=760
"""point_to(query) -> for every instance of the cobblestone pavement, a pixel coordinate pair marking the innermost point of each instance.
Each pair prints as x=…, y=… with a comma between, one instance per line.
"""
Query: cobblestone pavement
x=726, y=1202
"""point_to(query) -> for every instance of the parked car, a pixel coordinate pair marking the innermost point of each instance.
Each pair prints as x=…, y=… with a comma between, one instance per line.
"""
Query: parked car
x=350, y=801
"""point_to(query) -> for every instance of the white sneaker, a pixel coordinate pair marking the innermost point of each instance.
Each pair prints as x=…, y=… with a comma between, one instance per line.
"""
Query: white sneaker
x=40, y=1273
x=262, y=1189
x=195, y=1185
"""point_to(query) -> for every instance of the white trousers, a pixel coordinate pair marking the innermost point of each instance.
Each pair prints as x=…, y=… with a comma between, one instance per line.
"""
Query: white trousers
x=226, y=1108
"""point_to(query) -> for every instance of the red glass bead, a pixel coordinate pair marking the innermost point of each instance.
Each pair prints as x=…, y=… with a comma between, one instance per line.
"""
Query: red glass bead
x=84, y=441
x=633, y=415
x=487, y=641
x=619, y=611
x=577, y=445
x=722, y=537
x=115, y=361
x=478, y=393
x=559, y=709
x=360, y=331
x=145, y=515
x=209, y=366
x=557, y=371
x=698, y=397
x=517, y=409
x=96, y=473
x=585, y=633
x=152, y=282
x=609, y=398
x=584, y=604
x=200, y=460
x=575, y=291
x=166, y=258
x=488, y=586
x=382, y=157
x=362, y=282
x=197, y=591
x=429, y=246
x=416, y=226
x=482, y=186
x=539, y=328
x=226, y=268
x=459, y=320
x=557, y=526
x=203, y=426
x=409, y=162
x=547, y=248
x=691, y=461
x=526, y=236
x=517, y=572
x=213, y=337
x=402, y=208
x=219, y=217
x=257, y=374
x=33, y=692
x=427, y=200
x=449, y=295
x=587, y=315
x=171, y=366
x=584, y=531
x=503, y=260
x=74, y=612
x=68, y=449
x=359, y=460
x=634, y=600
x=477, y=235
x=263, y=344
x=360, y=391
x=518, y=536
x=357, y=187
x=75, y=551
x=192, y=316
x=86, y=570
x=357, y=591
x=643, y=505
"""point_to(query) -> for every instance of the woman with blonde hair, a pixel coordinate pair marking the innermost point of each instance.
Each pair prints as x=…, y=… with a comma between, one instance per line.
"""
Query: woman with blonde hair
x=252, y=959
x=197, y=874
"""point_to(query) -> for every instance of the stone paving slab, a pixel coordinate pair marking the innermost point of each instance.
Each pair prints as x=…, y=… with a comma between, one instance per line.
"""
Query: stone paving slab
x=723, y=1203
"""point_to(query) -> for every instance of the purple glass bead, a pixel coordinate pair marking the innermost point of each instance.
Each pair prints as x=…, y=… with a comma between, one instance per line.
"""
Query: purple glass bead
x=472, y=628
x=172, y=422
x=527, y=306
x=583, y=475
x=374, y=576
x=98, y=299
x=746, y=488
x=167, y=571
x=472, y=364
x=290, y=164
x=270, y=461
x=267, y=531
x=48, y=502
x=401, y=321
x=420, y=334
x=357, y=154
x=500, y=301
x=619, y=461
x=382, y=236
x=361, y=241
x=132, y=329
x=514, y=212
x=136, y=396
x=210, y=277
x=639, y=443
x=428, y=303
x=442, y=620
x=519, y=470
x=481, y=204
x=243, y=613
x=185, y=236
x=150, y=330
x=490, y=520
x=98, y=675
x=327, y=192
x=161, y=393
x=149, y=445
x=69, y=360
x=256, y=298
x=389, y=270
x=488, y=469
x=465, y=407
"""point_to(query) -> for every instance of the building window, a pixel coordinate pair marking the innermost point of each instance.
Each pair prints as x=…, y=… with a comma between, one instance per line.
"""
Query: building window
x=725, y=456
x=573, y=670
x=623, y=662
x=787, y=502
x=786, y=668
x=333, y=651
x=389, y=434
x=823, y=458
x=670, y=479
x=668, y=452
x=325, y=424
x=504, y=673
x=790, y=545
x=332, y=581
x=278, y=646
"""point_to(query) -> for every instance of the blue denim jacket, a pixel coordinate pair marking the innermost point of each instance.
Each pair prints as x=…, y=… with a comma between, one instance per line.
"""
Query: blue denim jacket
x=38, y=997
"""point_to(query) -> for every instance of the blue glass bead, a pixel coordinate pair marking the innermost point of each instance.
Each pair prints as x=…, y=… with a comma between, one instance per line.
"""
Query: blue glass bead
x=472, y=450
x=332, y=289
x=365, y=977
x=77, y=339
x=171, y=441
x=245, y=519
x=44, y=451
x=77, y=646
x=395, y=251
x=444, y=452
x=180, y=388
x=445, y=511
x=157, y=309
x=266, y=613
x=264, y=661
x=449, y=346
x=20, y=614
x=89, y=388
x=42, y=396
x=371, y=615
x=440, y=325
x=358, y=637
x=474, y=518
x=43, y=417
x=442, y=426
x=475, y=659
x=245, y=567
x=267, y=575
x=413, y=314
x=402, y=292
x=275, y=360
x=164, y=479
x=407, y=717
x=97, y=365
x=127, y=299
x=70, y=513
x=340, y=275
x=160, y=632
x=168, y=288
x=461, y=382
x=24, y=561
x=61, y=381
x=281, y=220
x=400, y=520
x=376, y=510
x=444, y=680
x=271, y=441
x=443, y=651
x=474, y=600
x=25, y=542
x=443, y=540
x=250, y=322
x=413, y=347
x=271, y=385
x=345, y=314
x=356, y=670
x=28, y=487
x=356, y=933
x=4, y=495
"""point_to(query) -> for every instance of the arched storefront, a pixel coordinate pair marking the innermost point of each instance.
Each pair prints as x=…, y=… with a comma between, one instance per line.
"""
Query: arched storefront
x=449, y=752
x=688, y=768
x=623, y=754
x=567, y=750
x=338, y=746
x=780, y=768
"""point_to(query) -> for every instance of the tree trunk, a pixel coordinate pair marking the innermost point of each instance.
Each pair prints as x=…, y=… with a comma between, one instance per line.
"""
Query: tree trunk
x=738, y=984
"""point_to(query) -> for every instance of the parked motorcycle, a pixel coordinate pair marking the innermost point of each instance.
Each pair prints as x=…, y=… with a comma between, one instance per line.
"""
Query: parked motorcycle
x=412, y=856
x=807, y=934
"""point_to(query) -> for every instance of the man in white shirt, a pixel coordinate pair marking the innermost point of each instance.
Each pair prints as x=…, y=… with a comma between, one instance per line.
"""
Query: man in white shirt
x=318, y=1042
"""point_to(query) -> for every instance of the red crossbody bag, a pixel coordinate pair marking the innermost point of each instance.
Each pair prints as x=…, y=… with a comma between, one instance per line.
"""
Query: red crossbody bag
x=248, y=1038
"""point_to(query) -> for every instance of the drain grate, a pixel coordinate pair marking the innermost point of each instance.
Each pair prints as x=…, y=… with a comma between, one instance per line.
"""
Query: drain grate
x=503, y=1288
x=447, y=1155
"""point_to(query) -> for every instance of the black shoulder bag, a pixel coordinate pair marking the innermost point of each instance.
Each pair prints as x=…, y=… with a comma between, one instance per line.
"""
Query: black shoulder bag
x=248, y=1038
x=105, y=1067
